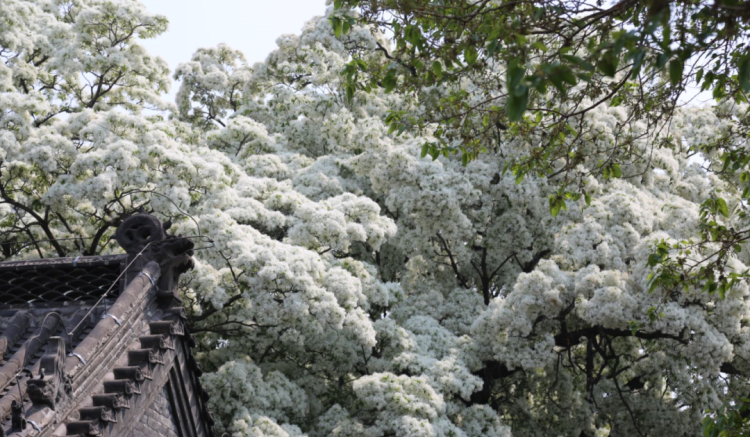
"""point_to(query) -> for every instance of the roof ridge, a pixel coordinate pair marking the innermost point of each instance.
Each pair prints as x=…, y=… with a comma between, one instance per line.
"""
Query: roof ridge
x=71, y=261
x=13, y=332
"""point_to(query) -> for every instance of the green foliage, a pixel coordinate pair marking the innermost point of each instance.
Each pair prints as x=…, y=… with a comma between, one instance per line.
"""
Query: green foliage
x=518, y=93
x=701, y=264
x=556, y=52
x=729, y=421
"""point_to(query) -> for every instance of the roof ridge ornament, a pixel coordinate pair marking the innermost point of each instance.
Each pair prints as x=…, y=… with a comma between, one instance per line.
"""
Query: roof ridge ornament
x=145, y=239
x=52, y=382
x=138, y=231
x=18, y=416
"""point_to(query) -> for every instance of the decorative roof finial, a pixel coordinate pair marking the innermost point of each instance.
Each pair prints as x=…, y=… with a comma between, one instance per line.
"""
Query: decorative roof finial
x=145, y=239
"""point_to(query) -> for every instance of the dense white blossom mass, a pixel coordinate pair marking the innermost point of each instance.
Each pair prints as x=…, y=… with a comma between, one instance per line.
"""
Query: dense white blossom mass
x=355, y=287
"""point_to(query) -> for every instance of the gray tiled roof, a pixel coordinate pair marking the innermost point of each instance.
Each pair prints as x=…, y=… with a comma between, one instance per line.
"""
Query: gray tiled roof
x=55, y=281
x=85, y=342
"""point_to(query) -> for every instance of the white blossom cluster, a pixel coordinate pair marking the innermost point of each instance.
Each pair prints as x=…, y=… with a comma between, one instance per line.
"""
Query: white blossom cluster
x=356, y=288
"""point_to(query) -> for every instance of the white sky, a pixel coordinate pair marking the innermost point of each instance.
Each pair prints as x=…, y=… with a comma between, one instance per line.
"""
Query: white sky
x=250, y=26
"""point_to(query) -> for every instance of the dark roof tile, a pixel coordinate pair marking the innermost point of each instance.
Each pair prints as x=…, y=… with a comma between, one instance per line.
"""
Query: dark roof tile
x=59, y=280
x=89, y=307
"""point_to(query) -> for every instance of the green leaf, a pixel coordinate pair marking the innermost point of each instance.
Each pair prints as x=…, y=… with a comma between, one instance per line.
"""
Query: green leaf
x=514, y=74
x=470, y=55
x=653, y=260
x=587, y=198
x=349, y=92
x=743, y=73
x=540, y=45
x=519, y=176
x=557, y=82
x=661, y=60
x=581, y=63
x=633, y=327
x=493, y=47
x=560, y=75
x=556, y=204
x=437, y=68
x=719, y=90
x=413, y=35
x=434, y=152
x=554, y=208
x=517, y=102
x=337, y=25
x=637, y=57
x=567, y=75
x=425, y=148
x=607, y=64
x=655, y=283
x=390, y=80
x=616, y=171
x=676, y=67
x=721, y=206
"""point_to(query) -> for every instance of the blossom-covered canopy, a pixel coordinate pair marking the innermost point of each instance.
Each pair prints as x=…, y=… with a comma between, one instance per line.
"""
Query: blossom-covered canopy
x=353, y=287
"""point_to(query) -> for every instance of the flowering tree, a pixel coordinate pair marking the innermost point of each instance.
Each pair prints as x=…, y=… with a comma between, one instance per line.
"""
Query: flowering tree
x=355, y=287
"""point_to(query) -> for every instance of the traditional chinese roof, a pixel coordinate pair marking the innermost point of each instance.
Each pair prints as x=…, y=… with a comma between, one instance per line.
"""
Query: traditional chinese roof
x=88, y=345
x=59, y=281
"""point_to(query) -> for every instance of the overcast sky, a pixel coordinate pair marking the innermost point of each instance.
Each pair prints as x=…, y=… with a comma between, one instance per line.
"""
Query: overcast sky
x=251, y=26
